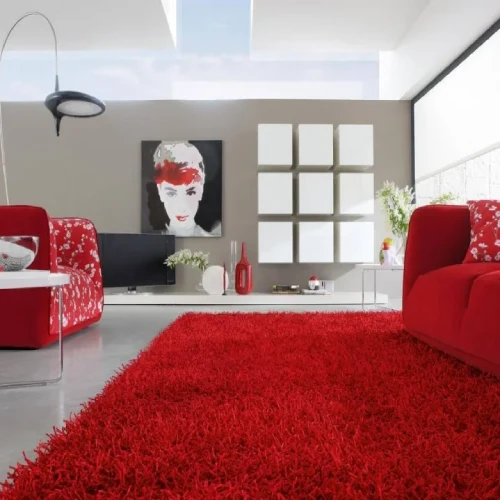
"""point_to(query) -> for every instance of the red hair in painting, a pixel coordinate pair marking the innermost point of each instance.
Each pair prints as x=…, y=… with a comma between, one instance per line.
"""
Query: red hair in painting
x=178, y=163
x=176, y=174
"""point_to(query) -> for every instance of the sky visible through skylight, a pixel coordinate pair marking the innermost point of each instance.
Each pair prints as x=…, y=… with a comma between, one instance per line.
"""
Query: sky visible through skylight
x=214, y=27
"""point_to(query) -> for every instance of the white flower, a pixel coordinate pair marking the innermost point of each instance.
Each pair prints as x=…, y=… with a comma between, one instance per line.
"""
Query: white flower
x=487, y=258
x=187, y=257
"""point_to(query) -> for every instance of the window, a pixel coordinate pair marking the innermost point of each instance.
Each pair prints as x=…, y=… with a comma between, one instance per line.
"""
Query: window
x=212, y=60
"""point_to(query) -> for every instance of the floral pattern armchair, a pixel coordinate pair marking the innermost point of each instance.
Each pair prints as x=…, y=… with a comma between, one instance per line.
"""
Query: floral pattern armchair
x=29, y=317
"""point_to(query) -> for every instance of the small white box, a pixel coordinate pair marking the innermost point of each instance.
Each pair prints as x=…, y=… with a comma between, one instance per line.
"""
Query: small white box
x=355, y=193
x=275, y=242
x=275, y=145
x=354, y=146
x=354, y=242
x=316, y=242
x=275, y=193
x=315, y=193
x=315, y=145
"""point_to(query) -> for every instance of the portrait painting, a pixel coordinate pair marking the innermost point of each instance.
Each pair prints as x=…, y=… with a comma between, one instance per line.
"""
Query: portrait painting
x=182, y=188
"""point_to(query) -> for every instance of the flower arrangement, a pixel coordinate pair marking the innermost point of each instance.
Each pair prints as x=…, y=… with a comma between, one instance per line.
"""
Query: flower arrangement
x=398, y=204
x=187, y=257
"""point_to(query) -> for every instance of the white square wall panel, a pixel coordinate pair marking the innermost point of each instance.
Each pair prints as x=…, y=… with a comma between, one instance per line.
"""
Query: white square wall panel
x=354, y=242
x=355, y=193
x=354, y=146
x=315, y=145
x=316, y=242
x=275, y=145
x=315, y=193
x=275, y=242
x=275, y=193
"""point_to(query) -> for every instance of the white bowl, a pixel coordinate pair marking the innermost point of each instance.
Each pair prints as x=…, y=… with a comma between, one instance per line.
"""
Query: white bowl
x=17, y=252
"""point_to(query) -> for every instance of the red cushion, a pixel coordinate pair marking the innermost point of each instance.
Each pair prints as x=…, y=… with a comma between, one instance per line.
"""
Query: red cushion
x=485, y=231
x=480, y=333
x=438, y=300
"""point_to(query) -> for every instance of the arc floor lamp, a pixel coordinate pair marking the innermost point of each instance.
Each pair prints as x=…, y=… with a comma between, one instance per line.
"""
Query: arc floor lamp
x=60, y=103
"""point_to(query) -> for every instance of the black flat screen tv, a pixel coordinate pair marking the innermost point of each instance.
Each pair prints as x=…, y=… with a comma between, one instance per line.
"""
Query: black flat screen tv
x=135, y=260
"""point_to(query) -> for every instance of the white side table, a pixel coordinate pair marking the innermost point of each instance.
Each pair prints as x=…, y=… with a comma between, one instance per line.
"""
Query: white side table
x=374, y=268
x=36, y=279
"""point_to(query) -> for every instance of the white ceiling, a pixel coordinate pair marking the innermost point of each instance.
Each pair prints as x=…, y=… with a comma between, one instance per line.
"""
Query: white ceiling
x=332, y=25
x=90, y=24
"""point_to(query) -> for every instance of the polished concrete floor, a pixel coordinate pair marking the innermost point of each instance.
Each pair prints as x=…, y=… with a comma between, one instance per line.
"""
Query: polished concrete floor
x=91, y=357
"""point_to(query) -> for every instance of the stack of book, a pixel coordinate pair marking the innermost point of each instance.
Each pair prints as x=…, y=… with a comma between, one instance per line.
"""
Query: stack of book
x=286, y=289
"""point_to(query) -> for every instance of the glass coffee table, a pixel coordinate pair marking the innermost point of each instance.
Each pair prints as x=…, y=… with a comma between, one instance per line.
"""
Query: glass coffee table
x=375, y=268
x=15, y=280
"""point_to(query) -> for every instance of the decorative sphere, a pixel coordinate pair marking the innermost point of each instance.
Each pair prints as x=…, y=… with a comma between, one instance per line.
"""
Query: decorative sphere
x=213, y=280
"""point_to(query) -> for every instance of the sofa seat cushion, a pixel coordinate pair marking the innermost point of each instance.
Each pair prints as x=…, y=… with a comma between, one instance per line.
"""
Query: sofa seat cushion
x=81, y=303
x=480, y=334
x=437, y=302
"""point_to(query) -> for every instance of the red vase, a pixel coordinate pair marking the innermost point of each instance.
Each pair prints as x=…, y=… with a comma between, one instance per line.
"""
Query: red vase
x=243, y=276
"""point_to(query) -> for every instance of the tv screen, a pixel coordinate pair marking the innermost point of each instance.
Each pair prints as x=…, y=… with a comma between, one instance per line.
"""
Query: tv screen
x=133, y=260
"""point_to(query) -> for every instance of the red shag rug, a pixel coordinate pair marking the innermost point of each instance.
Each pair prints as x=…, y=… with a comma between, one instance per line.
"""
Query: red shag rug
x=278, y=406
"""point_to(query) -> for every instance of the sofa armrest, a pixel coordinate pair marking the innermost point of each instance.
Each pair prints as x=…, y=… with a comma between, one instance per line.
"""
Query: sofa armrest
x=438, y=236
x=76, y=241
x=17, y=220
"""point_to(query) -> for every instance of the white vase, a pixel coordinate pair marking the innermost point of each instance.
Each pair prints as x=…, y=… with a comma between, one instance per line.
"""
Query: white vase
x=199, y=286
x=215, y=280
x=401, y=249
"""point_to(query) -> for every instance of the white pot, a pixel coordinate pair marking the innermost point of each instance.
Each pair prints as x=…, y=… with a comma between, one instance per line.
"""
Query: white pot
x=213, y=280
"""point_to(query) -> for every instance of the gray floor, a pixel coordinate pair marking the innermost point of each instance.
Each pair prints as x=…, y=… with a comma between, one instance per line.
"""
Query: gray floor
x=91, y=357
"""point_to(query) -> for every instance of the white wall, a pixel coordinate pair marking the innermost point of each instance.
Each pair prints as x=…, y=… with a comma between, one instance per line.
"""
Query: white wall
x=440, y=34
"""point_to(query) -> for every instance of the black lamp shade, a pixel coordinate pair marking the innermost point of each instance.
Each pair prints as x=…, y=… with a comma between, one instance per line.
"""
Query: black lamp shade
x=75, y=104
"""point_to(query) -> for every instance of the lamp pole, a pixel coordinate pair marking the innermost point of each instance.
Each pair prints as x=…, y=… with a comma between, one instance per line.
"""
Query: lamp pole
x=59, y=103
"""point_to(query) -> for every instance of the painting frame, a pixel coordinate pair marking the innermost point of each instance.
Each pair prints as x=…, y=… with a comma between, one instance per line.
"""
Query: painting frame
x=181, y=187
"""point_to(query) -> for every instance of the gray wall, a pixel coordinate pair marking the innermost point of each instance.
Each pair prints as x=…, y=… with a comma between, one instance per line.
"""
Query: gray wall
x=93, y=169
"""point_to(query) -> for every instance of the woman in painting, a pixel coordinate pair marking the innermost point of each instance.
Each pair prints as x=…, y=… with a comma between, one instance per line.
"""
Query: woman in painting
x=179, y=181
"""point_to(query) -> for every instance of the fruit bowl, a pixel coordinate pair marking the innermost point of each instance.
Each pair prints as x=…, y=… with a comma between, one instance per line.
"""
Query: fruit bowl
x=17, y=252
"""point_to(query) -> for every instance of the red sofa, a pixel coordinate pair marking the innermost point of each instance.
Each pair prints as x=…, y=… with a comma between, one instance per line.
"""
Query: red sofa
x=447, y=304
x=29, y=317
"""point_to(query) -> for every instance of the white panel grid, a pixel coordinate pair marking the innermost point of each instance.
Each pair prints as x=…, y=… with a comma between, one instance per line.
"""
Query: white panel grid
x=355, y=242
x=316, y=242
x=354, y=146
x=275, y=145
x=355, y=193
x=315, y=145
x=275, y=193
x=275, y=242
x=316, y=193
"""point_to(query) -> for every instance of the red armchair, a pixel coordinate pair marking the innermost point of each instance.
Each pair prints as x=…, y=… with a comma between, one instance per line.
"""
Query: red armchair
x=447, y=304
x=29, y=318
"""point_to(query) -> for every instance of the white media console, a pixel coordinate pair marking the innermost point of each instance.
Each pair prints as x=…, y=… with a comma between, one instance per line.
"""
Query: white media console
x=269, y=299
